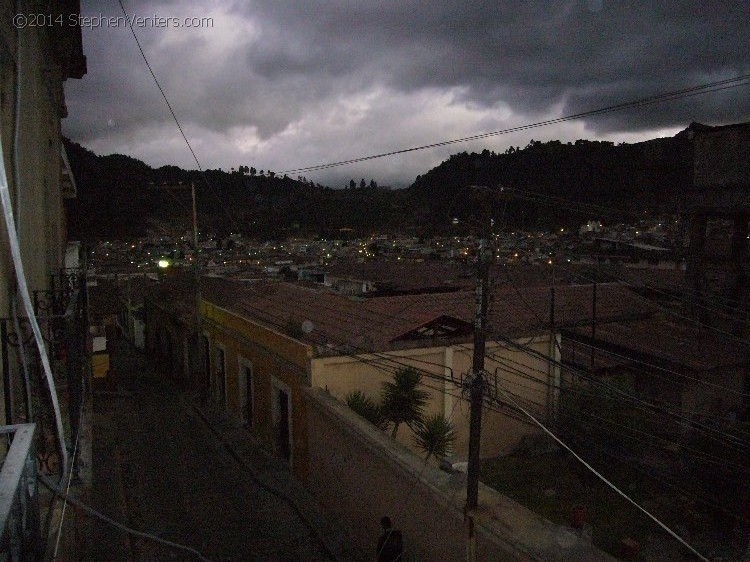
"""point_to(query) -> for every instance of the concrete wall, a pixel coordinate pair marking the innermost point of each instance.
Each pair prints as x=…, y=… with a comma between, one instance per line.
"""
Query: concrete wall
x=35, y=194
x=359, y=474
x=38, y=206
x=525, y=376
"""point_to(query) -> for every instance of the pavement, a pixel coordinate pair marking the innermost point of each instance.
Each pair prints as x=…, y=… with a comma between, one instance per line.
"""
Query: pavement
x=273, y=475
x=169, y=465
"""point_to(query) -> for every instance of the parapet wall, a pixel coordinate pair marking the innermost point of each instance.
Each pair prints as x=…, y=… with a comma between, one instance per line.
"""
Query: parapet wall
x=358, y=473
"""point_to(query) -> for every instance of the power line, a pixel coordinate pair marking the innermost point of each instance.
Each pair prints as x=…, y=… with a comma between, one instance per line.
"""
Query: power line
x=174, y=115
x=605, y=480
x=383, y=360
x=737, y=81
x=585, y=208
x=109, y=521
x=678, y=418
x=628, y=358
x=383, y=364
x=516, y=406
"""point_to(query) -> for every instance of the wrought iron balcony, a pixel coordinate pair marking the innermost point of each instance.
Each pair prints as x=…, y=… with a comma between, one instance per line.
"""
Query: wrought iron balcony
x=20, y=538
x=61, y=312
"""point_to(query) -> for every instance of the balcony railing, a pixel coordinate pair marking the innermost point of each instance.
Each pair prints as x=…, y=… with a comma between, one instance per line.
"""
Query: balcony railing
x=61, y=312
x=20, y=538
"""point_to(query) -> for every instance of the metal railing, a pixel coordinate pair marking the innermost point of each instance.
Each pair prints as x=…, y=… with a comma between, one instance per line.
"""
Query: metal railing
x=20, y=537
x=61, y=312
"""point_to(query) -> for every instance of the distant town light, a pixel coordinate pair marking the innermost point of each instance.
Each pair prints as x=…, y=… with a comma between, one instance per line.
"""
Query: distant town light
x=163, y=263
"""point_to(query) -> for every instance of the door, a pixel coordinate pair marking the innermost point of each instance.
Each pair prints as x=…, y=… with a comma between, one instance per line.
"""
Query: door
x=206, y=366
x=246, y=384
x=283, y=437
x=221, y=376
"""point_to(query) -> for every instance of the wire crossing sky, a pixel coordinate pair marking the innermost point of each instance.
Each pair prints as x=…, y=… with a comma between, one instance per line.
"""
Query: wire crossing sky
x=661, y=98
x=275, y=84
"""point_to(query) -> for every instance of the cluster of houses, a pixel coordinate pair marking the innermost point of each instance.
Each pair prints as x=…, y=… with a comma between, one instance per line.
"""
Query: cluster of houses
x=277, y=355
x=281, y=349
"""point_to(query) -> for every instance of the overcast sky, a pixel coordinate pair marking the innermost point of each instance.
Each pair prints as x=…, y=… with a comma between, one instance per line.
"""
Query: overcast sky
x=282, y=84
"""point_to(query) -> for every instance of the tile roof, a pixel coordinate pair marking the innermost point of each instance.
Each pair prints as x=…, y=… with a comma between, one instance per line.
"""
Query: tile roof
x=328, y=320
x=175, y=295
x=668, y=343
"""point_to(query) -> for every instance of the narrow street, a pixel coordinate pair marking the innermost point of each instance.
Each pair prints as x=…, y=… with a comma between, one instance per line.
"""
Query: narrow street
x=159, y=468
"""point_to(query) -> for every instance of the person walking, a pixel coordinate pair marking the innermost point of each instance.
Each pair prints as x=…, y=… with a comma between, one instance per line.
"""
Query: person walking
x=390, y=543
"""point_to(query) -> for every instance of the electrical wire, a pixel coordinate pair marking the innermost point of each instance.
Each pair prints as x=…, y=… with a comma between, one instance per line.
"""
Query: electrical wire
x=629, y=358
x=605, y=480
x=557, y=202
x=94, y=513
x=675, y=314
x=67, y=489
x=523, y=410
x=639, y=403
x=737, y=81
x=678, y=418
x=374, y=363
x=174, y=116
x=23, y=289
x=515, y=403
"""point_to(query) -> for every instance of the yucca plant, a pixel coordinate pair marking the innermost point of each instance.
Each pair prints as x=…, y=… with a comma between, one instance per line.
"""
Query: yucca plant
x=367, y=408
x=435, y=435
x=402, y=400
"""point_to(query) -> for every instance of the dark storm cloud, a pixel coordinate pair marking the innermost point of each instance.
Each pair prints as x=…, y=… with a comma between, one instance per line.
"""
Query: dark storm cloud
x=296, y=76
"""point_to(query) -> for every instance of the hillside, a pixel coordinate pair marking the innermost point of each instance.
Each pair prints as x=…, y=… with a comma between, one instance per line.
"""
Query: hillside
x=119, y=196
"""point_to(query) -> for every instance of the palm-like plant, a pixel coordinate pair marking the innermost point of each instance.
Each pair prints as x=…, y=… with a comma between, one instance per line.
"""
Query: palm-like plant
x=367, y=408
x=402, y=400
x=435, y=435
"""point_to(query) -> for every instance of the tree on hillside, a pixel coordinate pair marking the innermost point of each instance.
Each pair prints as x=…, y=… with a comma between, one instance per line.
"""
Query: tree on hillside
x=373, y=184
x=402, y=399
x=362, y=183
x=352, y=184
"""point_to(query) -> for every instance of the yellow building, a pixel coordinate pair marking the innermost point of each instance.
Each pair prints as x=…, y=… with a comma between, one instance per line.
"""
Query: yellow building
x=262, y=342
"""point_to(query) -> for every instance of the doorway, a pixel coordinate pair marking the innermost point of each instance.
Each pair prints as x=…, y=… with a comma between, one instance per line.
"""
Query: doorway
x=247, y=397
x=282, y=414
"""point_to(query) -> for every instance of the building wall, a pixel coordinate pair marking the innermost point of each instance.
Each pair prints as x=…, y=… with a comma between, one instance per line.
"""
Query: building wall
x=29, y=73
x=166, y=341
x=278, y=363
x=525, y=376
x=38, y=209
x=361, y=474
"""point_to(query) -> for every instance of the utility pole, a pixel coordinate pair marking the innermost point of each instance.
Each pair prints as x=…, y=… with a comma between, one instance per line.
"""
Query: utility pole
x=194, y=365
x=593, y=326
x=476, y=387
x=196, y=265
